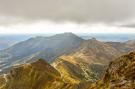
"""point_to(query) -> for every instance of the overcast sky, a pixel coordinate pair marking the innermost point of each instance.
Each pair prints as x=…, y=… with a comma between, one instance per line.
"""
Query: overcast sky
x=37, y=16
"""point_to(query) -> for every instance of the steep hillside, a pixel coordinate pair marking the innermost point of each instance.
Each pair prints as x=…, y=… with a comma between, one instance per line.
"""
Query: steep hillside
x=6, y=41
x=40, y=47
x=124, y=47
x=119, y=74
x=77, y=71
x=94, y=51
x=37, y=75
x=87, y=62
x=40, y=75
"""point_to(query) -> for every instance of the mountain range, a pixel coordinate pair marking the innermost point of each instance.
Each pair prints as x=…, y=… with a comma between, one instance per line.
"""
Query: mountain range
x=41, y=75
x=6, y=43
x=67, y=61
x=69, y=45
x=39, y=47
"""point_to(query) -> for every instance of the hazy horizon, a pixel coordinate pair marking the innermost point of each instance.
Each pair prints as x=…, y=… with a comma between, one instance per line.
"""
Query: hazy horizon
x=99, y=36
x=7, y=40
x=51, y=27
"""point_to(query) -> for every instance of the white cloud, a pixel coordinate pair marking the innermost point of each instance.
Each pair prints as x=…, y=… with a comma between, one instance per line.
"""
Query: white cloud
x=51, y=27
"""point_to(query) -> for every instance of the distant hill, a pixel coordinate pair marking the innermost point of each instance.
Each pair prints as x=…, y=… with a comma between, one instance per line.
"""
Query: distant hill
x=89, y=51
x=4, y=44
x=7, y=40
x=39, y=47
x=94, y=51
x=124, y=47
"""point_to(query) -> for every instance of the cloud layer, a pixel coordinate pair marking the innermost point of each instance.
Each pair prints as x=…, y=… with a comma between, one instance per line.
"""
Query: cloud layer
x=68, y=10
x=51, y=27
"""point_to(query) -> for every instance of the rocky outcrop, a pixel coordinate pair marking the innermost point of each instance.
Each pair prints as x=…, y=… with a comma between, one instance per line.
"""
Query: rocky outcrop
x=119, y=74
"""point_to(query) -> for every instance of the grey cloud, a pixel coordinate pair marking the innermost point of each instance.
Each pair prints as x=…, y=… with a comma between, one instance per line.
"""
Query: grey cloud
x=71, y=10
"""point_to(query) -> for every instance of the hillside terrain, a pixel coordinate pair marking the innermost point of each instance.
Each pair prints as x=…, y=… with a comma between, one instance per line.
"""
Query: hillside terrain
x=47, y=48
x=37, y=75
x=6, y=43
x=91, y=53
x=60, y=43
x=124, y=47
x=94, y=51
x=76, y=71
x=41, y=75
x=119, y=74
x=87, y=62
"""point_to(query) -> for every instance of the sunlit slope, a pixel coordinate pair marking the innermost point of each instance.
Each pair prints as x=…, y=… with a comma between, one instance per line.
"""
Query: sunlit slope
x=75, y=71
x=37, y=75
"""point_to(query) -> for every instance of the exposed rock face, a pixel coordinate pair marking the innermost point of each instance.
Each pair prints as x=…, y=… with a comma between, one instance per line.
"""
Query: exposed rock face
x=119, y=75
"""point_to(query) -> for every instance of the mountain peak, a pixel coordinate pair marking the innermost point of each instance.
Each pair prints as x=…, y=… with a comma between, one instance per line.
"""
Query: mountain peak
x=40, y=62
x=93, y=39
x=36, y=47
x=67, y=34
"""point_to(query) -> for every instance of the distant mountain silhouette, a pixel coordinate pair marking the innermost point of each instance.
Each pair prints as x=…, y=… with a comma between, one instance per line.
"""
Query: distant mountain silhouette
x=123, y=47
x=4, y=43
x=89, y=51
x=40, y=47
